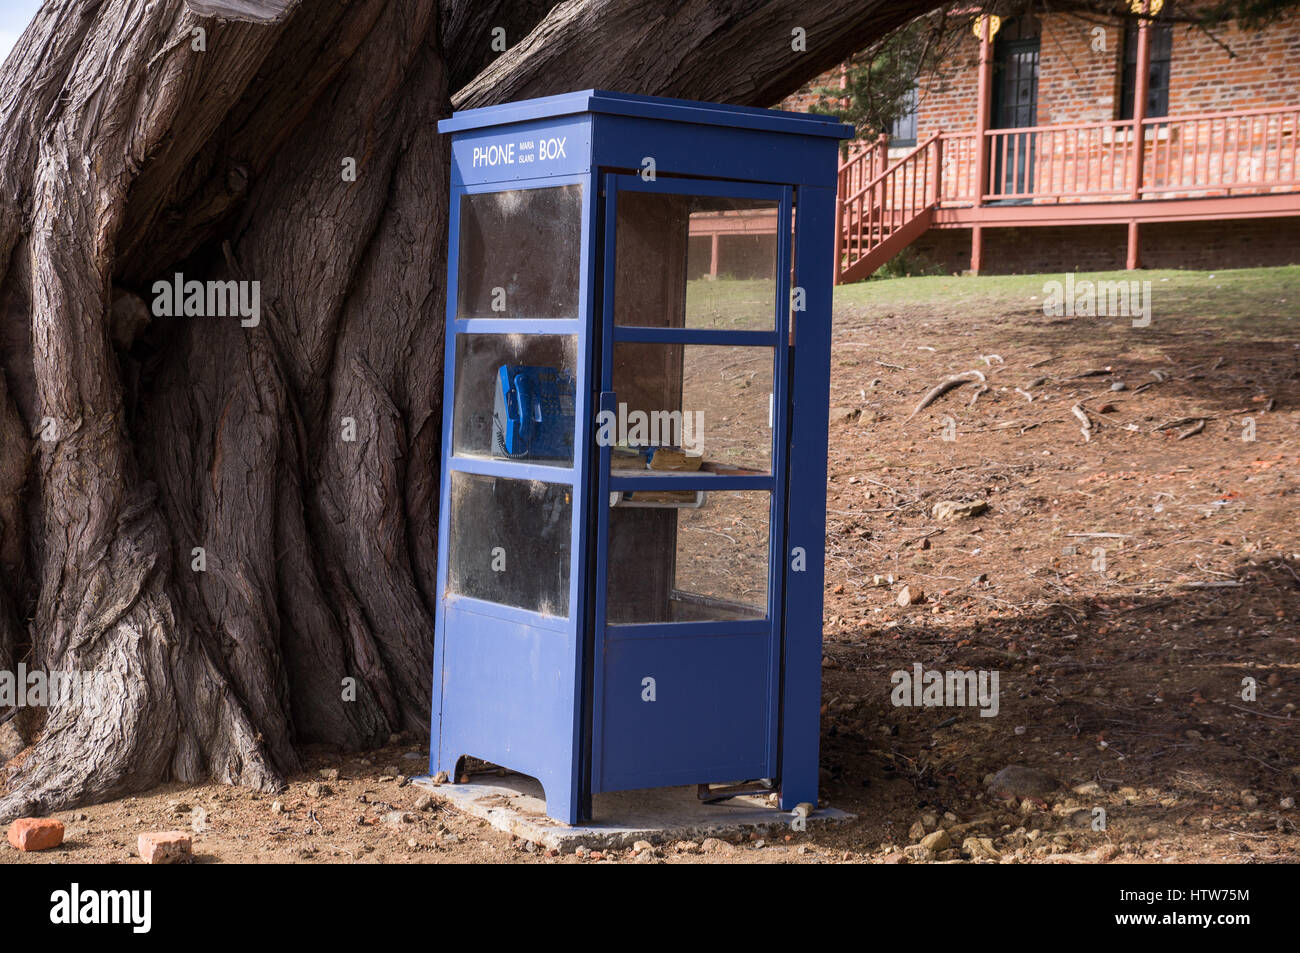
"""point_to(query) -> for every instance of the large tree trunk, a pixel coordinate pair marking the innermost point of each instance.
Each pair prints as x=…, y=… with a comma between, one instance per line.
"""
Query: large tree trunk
x=130, y=443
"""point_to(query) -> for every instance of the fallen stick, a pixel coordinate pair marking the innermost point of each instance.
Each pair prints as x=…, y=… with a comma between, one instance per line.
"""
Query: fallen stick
x=1180, y=422
x=945, y=385
x=1192, y=431
x=1096, y=372
x=983, y=388
x=1082, y=414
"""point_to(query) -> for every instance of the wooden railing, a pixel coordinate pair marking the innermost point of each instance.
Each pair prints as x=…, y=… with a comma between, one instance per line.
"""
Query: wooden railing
x=1183, y=156
x=887, y=203
x=1230, y=153
x=862, y=164
x=1207, y=155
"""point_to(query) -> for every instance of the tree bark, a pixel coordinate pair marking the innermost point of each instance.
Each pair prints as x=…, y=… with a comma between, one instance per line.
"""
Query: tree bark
x=179, y=504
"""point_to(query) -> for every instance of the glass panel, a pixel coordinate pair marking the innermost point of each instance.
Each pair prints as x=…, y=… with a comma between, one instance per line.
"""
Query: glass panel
x=520, y=253
x=710, y=402
x=695, y=261
x=509, y=542
x=674, y=562
x=515, y=397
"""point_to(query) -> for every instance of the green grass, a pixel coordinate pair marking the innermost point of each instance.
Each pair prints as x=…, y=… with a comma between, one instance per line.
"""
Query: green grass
x=734, y=304
x=1241, y=302
x=1246, y=301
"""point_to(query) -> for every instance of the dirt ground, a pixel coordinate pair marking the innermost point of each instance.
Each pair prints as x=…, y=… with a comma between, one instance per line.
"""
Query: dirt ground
x=1122, y=587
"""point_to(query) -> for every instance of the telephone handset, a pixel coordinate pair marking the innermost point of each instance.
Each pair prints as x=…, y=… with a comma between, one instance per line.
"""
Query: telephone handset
x=533, y=413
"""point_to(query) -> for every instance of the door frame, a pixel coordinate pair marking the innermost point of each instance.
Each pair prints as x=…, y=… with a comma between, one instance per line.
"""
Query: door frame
x=607, y=334
x=1019, y=164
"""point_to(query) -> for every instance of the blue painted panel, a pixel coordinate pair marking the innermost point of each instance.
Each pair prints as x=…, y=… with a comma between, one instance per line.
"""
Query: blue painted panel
x=507, y=690
x=529, y=150
x=712, y=336
x=709, y=718
x=622, y=142
x=806, y=516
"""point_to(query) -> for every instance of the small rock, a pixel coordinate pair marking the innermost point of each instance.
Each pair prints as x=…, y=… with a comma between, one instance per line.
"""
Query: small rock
x=910, y=596
x=897, y=857
x=35, y=833
x=917, y=832
x=937, y=841
x=1018, y=781
x=316, y=789
x=954, y=510
x=980, y=848
x=1081, y=819
x=918, y=854
x=440, y=778
x=397, y=818
x=1118, y=386
x=1287, y=804
x=712, y=845
x=329, y=774
x=277, y=807
x=1087, y=789
x=642, y=845
x=165, y=847
x=424, y=802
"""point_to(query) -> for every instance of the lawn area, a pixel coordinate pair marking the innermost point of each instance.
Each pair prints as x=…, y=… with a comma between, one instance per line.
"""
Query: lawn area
x=1267, y=299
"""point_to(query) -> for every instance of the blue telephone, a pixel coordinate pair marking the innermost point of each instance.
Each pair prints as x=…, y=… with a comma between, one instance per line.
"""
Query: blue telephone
x=532, y=414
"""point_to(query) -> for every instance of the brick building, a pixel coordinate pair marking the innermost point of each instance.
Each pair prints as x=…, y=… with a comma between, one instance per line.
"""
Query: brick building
x=1044, y=112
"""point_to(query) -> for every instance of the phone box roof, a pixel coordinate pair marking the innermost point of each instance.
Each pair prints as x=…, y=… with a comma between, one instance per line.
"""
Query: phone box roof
x=573, y=132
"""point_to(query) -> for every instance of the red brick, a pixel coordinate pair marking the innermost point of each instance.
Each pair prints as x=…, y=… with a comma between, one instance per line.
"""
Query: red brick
x=166, y=847
x=36, y=833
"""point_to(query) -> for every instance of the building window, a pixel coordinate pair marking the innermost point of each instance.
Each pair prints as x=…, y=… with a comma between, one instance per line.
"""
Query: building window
x=1162, y=47
x=902, y=131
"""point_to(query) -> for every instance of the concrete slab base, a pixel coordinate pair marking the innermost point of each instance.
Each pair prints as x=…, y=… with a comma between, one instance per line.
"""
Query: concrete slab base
x=514, y=803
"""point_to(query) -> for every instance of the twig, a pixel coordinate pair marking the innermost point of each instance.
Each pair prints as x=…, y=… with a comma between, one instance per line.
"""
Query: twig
x=945, y=385
x=1082, y=414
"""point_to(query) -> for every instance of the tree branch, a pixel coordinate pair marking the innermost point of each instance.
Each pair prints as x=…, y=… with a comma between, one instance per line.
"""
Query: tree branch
x=734, y=51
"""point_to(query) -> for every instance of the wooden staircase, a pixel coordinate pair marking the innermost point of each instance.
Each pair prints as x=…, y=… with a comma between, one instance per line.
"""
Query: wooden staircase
x=888, y=211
